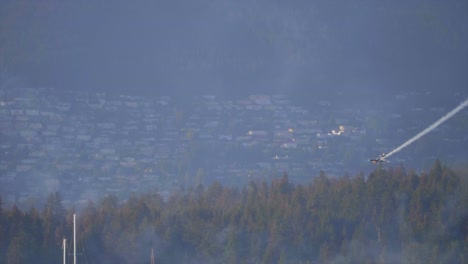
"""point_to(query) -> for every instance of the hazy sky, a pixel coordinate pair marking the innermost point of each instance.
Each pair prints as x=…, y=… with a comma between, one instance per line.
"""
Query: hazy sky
x=215, y=46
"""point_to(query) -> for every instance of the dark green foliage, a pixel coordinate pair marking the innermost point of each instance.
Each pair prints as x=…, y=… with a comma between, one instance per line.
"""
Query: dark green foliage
x=391, y=216
x=21, y=249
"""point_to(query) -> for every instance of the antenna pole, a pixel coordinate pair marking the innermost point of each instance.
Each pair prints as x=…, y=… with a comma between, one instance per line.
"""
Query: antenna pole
x=74, y=238
x=64, y=246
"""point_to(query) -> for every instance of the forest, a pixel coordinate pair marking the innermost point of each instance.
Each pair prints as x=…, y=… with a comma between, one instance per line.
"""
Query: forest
x=392, y=215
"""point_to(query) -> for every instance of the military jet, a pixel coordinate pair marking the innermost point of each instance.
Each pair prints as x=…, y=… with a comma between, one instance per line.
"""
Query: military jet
x=380, y=159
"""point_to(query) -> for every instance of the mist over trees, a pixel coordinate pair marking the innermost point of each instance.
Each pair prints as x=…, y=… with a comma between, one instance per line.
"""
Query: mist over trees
x=389, y=216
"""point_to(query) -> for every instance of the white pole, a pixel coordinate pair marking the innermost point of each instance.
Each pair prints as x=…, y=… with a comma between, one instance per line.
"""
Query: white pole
x=74, y=238
x=64, y=251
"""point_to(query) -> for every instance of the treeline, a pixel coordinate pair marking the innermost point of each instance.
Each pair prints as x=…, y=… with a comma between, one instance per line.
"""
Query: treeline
x=389, y=216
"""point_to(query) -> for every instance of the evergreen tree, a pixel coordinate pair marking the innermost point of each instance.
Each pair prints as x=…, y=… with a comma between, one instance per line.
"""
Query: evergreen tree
x=54, y=227
x=21, y=249
x=392, y=216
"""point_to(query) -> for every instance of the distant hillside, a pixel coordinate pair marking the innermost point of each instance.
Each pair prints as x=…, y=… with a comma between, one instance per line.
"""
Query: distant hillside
x=235, y=47
x=95, y=144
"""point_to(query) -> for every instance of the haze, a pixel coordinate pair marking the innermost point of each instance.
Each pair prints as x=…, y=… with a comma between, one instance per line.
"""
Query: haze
x=305, y=48
x=209, y=131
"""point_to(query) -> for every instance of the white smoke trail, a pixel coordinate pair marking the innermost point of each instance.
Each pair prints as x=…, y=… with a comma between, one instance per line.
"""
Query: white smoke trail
x=430, y=128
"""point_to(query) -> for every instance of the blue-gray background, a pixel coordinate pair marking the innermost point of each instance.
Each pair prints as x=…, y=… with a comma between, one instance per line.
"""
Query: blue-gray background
x=237, y=47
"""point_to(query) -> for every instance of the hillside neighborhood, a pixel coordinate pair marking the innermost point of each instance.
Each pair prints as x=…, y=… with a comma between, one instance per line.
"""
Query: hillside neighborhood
x=88, y=145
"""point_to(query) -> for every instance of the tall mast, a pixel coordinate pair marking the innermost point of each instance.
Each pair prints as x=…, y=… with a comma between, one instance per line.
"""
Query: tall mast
x=64, y=246
x=74, y=238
